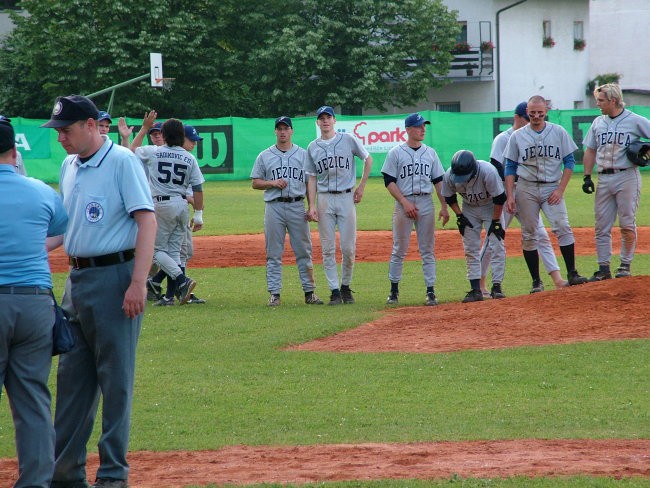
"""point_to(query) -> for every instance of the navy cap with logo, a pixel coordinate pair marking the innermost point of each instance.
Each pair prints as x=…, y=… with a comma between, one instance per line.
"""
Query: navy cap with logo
x=155, y=127
x=7, y=137
x=521, y=110
x=325, y=109
x=415, y=120
x=192, y=134
x=104, y=116
x=5, y=119
x=283, y=120
x=71, y=109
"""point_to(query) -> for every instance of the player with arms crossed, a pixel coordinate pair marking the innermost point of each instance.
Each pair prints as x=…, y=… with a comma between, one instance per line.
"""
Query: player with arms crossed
x=411, y=171
x=544, y=246
x=483, y=195
x=535, y=154
x=332, y=174
x=279, y=171
x=619, y=180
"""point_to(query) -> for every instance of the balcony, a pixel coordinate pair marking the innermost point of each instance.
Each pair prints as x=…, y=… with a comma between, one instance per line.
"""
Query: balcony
x=472, y=65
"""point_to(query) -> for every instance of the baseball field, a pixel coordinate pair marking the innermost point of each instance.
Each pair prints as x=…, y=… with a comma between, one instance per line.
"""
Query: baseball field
x=541, y=390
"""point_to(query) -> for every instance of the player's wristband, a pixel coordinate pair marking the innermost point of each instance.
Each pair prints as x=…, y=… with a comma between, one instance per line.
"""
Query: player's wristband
x=198, y=217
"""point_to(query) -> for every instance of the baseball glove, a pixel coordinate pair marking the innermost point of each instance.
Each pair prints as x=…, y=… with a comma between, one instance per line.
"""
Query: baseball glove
x=639, y=153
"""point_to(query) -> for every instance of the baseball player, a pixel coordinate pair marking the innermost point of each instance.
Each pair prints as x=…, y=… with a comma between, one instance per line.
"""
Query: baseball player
x=109, y=240
x=26, y=312
x=279, y=171
x=19, y=165
x=411, y=172
x=171, y=171
x=104, y=122
x=481, y=189
x=619, y=180
x=331, y=168
x=544, y=246
x=535, y=154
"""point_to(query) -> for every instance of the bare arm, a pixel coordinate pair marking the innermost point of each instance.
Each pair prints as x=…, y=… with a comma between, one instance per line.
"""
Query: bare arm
x=53, y=242
x=444, y=212
x=136, y=295
x=312, y=212
x=410, y=210
x=589, y=160
x=261, y=184
x=367, y=166
x=125, y=132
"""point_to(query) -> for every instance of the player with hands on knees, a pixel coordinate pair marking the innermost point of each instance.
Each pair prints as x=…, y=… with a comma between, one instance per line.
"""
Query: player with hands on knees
x=412, y=170
x=483, y=197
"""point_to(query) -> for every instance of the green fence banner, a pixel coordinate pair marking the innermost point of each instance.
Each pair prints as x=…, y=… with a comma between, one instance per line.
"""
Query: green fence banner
x=231, y=144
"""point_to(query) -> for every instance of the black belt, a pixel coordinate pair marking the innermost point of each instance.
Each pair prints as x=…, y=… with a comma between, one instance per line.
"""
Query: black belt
x=417, y=194
x=164, y=198
x=338, y=192
x=538, y=182
x=287, y=199
x=611, y=171
x=24, y=290
x=105, y=260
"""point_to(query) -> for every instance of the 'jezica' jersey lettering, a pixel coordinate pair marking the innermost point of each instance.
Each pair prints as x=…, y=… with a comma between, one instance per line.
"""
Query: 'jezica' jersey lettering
x=332, y=162
x=414, y=170
x=288, y=173
x=620, y=138
x=541, y=152
x=475, y=197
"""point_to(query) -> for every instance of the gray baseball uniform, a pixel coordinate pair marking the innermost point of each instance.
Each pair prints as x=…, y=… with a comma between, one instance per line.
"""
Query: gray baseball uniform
x=20, y=165
x=478, y=207
x=544, y=245
x=619, y=181
x=285, y=212
x=414, y=171
x=538, y=158
x=172, y=170
x=332, y=162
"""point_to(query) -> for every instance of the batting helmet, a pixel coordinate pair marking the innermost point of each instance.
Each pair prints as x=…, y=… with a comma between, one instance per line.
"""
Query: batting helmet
x=639, y=153
x=463, y=166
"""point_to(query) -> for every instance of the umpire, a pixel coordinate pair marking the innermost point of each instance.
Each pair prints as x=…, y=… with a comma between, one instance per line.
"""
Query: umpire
x=26, y=311
x=110, y=245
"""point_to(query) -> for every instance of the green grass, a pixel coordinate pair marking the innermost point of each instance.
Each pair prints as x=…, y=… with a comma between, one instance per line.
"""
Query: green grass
x=235, y=208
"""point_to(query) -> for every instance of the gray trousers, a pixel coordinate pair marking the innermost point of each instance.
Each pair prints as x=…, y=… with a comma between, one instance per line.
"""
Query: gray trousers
x=424, y=229
x=337, y=210
x=101, y=363
x=481, y=218
x=280, y=218
x=172, y=217
x=25, y=361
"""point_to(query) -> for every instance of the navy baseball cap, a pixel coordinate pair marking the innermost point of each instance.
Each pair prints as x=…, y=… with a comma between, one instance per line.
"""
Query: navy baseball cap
x=283, y=120
x=71, y=109
x=521, y=110
x=415, y=120
x=192, y=134
x=104, y=116
x=7, y=137
x=155, y=127
x=325, y=109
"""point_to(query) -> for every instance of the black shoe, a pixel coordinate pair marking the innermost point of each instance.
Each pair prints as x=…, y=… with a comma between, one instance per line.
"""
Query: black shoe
x=69, y=484
x=274, y=300
x=185, y=290
x=496, y=291
x=473, y=296
x=346, y=295
x=154, y=290
x=623, y=271
x=431, y=300
x=195, y=300
x=600, y=275
x=109, y=483
x=575, y=279
x=335, y=298
x=312, y=299
x=392, y=299
x=538, y=286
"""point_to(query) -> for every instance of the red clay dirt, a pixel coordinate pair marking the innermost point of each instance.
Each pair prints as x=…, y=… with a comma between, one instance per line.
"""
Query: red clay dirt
x=552, y=317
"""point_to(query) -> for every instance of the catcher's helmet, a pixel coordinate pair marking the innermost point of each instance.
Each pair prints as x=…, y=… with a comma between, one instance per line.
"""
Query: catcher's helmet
x=463, y=166
x=639, y=153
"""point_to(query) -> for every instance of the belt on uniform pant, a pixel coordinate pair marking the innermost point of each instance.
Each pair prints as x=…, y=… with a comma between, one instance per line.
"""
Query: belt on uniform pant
x=287, y=199
x=337, y=192
x=418, y=194
x=611, y=171
x=105, y=260
x=164, y=198
x=24, y=290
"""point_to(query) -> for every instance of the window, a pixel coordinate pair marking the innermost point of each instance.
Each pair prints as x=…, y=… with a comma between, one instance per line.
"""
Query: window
x=9, y=5
x=462, y=36
x=578, y=104
x=578, y=30
x=547, y=29
x=448, y=107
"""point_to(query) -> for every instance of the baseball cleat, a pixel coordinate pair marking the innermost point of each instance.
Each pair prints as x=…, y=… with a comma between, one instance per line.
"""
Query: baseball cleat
x=274, y=300
x=575, y=279
x=335, y=298
x=600, y=276
x=185, y=290
x=496, y=291
x=109, y=483
x=623, y=271
x=486, y=294
x=538, y=286
x=473, y=296
x=392, y=299
x=154, y=290
x=431, y=299
x=312, y=299
x=195, y=300
x=346, y=296
x=164, y=302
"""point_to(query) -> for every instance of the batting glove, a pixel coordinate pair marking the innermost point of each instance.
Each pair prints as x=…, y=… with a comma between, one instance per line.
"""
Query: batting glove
x=588, y=185
x=462, y=222
x=198, y=217
x=497, y=229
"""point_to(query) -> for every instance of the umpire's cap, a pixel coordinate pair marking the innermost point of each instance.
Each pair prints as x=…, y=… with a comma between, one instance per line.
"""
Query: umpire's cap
x=521, y=110
x=7, y=137
x=463, y=166
x=638, y=152
x=71, y=109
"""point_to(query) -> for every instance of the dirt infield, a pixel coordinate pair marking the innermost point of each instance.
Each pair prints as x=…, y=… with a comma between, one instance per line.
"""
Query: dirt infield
x=411, y=330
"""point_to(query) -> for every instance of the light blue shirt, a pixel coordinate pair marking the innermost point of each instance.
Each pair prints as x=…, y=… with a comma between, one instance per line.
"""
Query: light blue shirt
x=31, y=211
x=100, y=196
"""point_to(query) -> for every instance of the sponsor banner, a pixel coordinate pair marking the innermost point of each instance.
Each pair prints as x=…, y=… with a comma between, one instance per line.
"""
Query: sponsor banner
x=377, y=135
